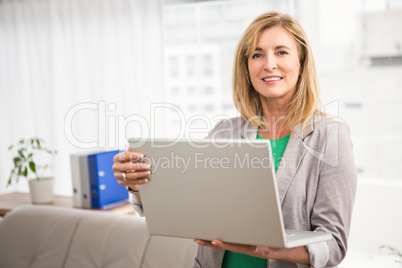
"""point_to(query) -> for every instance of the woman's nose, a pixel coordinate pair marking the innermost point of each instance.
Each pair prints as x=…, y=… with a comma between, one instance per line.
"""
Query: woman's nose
x=270, y=63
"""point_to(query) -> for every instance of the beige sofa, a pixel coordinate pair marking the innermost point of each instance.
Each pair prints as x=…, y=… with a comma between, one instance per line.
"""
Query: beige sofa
x=45, y=236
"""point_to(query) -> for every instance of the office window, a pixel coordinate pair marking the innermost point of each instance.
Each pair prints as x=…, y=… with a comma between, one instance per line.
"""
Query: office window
x=191, y=91
x=174, y=66
x=208, y=90
x=227, y=106
x=190, y=65
x=208, y=67
x=353, y=105
x=209, y=108
x=175, y=91
x=192, y=108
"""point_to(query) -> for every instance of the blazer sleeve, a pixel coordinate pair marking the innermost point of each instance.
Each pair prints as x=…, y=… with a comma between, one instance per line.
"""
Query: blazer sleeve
x=137, y=205
x=336, y=190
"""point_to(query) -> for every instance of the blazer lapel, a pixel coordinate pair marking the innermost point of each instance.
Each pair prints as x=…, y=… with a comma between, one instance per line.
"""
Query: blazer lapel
x=291, y=159
x=247, y=130
x=249, y=133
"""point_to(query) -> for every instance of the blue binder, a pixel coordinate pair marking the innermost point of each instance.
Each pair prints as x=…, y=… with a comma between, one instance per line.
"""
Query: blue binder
x=105, y=190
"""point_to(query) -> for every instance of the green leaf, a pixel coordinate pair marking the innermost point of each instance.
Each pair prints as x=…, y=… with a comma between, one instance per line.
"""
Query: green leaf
x=51, y=152
x=10, y=147
x=21, y=153
x=393, y=251
x=25, y=172
x=38, y=142
x=32, y=166
x=22, y=141
x=16, y=160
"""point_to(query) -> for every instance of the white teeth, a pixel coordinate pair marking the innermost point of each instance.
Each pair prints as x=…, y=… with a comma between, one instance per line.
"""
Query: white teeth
x=269, y=79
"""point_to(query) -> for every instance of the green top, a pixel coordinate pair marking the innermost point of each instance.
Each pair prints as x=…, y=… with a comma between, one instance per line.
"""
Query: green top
x=238, y=260
x=278, y=148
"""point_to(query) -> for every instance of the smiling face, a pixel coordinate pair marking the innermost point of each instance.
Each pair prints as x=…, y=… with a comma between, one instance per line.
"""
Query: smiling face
x=274, y=65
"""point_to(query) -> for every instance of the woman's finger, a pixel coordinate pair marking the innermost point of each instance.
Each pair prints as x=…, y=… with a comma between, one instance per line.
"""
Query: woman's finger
x=131, y=176
x=129, y=155
x=130, y=166
x=132, y=180
x=205, y=243
x=245, y=249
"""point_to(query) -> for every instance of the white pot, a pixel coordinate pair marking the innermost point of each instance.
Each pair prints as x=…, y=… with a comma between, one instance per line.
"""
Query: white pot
x=41, y=190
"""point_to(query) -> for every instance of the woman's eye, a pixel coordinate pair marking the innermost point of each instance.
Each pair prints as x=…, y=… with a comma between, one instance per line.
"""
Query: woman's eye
x=256, y=56
x=282, y=53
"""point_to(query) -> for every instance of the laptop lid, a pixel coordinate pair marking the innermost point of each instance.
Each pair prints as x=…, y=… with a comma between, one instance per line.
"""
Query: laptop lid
x=222, y=189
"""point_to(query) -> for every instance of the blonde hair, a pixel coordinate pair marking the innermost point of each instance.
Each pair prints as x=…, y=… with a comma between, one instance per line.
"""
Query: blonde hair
x=304, y=102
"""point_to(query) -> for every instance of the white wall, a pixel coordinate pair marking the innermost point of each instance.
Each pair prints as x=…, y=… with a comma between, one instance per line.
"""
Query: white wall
x=79, y=74
x=377, y=216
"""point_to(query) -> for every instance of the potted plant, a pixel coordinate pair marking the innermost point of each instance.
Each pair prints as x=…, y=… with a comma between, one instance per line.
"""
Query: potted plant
x=31, y=160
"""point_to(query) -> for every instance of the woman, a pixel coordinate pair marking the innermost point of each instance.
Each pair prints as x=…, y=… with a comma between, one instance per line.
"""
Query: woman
x=276, y=92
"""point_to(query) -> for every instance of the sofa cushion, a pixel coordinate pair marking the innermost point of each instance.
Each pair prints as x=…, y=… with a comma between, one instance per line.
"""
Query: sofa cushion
x=108, y=240
x=29, y=238
x=45, y=236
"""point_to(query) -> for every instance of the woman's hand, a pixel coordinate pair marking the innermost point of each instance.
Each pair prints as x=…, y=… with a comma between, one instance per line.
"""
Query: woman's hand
x=254, y=251
x=130, y=170
x=296, y=255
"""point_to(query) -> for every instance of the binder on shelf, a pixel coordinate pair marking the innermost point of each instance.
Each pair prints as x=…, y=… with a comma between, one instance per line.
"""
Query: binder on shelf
x=80, y=180
x=94, y=185
x=105, y=190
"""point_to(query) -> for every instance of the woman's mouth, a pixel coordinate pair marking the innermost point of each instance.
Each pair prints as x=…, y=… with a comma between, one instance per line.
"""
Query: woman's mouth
x=272, y=79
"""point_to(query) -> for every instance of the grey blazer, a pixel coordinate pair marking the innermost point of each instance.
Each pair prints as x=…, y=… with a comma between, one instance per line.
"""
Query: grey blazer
x=317, y=184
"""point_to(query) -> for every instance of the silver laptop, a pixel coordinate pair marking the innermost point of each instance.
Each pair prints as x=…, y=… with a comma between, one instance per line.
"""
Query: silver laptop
x=222, y=189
